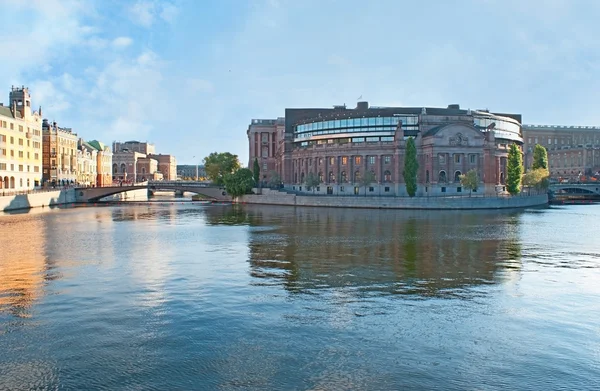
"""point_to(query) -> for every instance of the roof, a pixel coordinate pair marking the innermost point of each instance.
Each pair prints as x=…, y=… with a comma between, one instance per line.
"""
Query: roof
x=97, y=145
x=435, y=130
x=5, y=112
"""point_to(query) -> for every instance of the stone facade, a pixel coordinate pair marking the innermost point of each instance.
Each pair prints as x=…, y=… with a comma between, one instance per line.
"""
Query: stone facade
x=341, y=145
x=167, y=166
x=87, y=164
x=573, y=151
x=59, y=155
x=20, y=143
x=104, y=163
x=135, y=161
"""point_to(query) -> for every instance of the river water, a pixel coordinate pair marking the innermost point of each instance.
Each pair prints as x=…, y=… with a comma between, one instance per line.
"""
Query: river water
x=182, y=296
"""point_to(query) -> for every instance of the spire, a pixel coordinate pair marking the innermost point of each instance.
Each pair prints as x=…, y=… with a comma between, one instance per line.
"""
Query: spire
x=40, y=112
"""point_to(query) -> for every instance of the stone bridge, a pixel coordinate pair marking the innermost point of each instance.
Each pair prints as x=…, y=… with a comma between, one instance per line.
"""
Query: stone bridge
x=575, y=190
x=94, y=194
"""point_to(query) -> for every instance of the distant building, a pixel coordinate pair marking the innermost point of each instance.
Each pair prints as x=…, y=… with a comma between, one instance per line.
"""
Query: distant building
x=573, y=151
x=188, y=171
x=60, y=154
x=104, y=163
x=20, y=143
x=167, y=165
x=135, y=161
x=87, y=162
x=266, y=144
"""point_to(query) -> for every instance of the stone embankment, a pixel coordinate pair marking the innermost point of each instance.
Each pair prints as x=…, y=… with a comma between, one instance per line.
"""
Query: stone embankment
x=37, y=199
x=273, y=197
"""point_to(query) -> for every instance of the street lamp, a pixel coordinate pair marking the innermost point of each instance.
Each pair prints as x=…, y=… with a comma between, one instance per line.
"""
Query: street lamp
x=194, y=157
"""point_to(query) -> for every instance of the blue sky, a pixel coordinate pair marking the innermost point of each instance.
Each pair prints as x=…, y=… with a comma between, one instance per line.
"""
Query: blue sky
x=189, y=75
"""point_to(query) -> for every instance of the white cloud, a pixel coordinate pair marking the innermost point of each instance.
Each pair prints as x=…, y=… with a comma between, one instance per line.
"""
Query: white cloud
x=142, y=12
x=145, y=12
x=122, y=42
x=169, y=12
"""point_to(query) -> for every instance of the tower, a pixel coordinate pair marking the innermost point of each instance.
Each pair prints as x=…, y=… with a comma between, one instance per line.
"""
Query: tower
x=20, y=101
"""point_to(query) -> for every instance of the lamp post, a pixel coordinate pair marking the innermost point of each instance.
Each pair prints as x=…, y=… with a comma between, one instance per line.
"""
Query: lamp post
x=194, y=157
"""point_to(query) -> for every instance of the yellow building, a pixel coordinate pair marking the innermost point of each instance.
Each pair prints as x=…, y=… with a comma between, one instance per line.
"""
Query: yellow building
x=20, y=143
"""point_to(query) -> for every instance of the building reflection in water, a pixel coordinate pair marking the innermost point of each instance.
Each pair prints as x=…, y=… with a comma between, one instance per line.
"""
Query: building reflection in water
x=22, y=263
x=428, y=253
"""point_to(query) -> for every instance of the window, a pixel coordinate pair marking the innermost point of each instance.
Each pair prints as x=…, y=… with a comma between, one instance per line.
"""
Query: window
x=320, y=177
x=443, y=189
x=343, y=178
x=357, y=176
x=371, y=159
x=344, y=160
x=442, y=158
x=356, y=190
x=331, y=177
x=371, y=189
x=457, y=175
x=357, y=159
x=457, y=158
x=442, y=176
x=20, y=128
x=387, y=159
x=21, y=141
x=12, y=140
x=386, y=189
x=320, y=161
x=329, y=190
x=459, y=189
x=472, y=159
x=21, y=167
x=387, y=176
x=20, y=154
x=332, y=160
x=427, y=176
x=341, y=189
x=264, y=166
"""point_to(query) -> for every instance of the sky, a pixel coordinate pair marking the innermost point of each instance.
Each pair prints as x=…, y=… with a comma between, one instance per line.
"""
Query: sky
x=189, y=75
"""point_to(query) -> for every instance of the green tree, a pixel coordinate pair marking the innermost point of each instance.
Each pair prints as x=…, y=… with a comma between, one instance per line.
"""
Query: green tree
x=311, y=181
x=470, y=180
x=218, y=165
x=239, y=183
x=274, y=180
x=411, y=167
x=514, y=170
x=256, y=171
x=540, y=157
x=537, y=179
x=366, y=180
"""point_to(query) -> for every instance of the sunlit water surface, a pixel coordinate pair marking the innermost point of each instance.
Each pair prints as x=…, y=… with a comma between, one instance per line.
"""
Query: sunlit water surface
x=181, y=296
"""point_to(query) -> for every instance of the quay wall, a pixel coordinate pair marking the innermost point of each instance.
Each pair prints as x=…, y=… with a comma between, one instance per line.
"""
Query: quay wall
x=270, y=197
x=35, y=200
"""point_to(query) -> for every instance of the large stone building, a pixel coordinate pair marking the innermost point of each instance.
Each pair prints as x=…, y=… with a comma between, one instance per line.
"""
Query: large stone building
x=20, y=143
x=340, y=145
x=60, y=155
x=135, y=161
x=573, y=151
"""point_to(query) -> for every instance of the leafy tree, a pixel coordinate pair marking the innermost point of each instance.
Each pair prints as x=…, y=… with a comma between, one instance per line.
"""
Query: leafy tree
x=366, y=180
x=239, y=183
x=274, y=180
x=311, y=181
x=411, y=166
x=218, y=165
x=538, y=179
x=470, y=180
x=540, y=157
x=514, y=170
x=256, y=172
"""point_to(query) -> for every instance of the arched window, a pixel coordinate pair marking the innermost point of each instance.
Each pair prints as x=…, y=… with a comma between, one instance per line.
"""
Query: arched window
x=143, y=170
x=442, y=177
x=6, y=183
x=20, y=182
x=357, y=176
x=457, y=175
x=387, y=176
x=295, y=177
x=302, y=178
x=373, y=176
x=331, y=177
x=427, y=176
x=115, y=169
x=502, y=178
x=320, y=177
x=343, y=178
x=12, y=182
x=123, y=168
